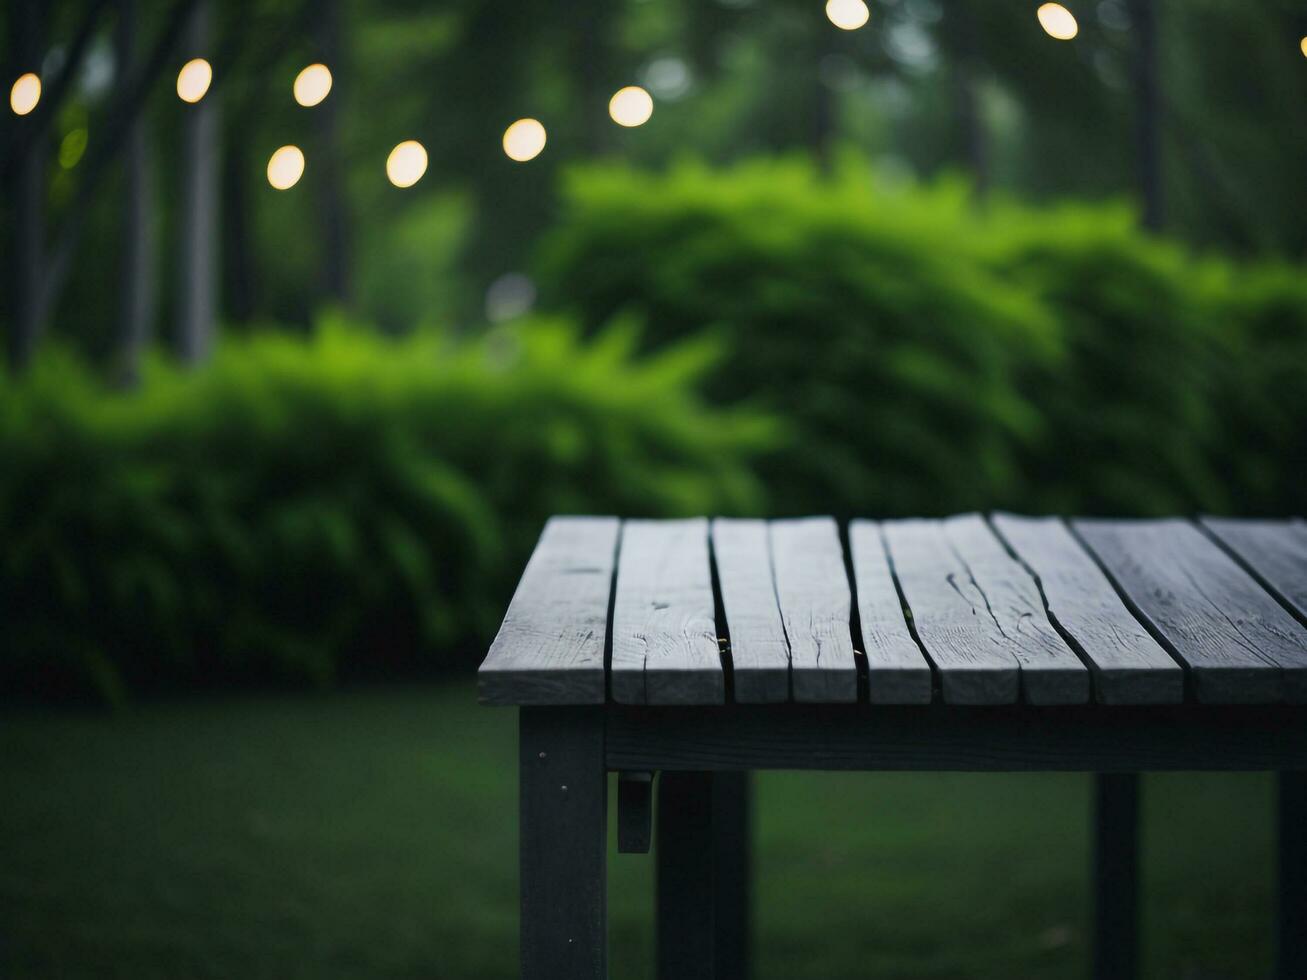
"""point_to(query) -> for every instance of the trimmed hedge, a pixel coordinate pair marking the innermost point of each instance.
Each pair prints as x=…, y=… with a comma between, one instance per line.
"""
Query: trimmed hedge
x=896, y=356
x=934, y=357
x=346, y=503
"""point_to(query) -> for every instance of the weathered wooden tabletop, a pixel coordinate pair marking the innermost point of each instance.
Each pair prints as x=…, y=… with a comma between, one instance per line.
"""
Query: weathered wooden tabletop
x=965, y=610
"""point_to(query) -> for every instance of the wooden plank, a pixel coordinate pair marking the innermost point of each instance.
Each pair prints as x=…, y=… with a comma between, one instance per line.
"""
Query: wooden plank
x=897, y=672
x=943, y=738
x=949, y=615
x=812, y=588
x=1275, y=552
x=563, y=853
x=760, y=654
x=664, y=624
x=1129, y=666
x=550, y=648
x=1051, y=673
x=1239, y=644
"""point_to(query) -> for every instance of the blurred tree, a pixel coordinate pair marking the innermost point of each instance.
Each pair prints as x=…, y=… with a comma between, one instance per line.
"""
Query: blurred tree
x=139, y=259
x=197, y=292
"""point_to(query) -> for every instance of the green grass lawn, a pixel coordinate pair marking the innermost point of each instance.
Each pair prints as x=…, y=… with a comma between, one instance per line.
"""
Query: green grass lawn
x=374, y=834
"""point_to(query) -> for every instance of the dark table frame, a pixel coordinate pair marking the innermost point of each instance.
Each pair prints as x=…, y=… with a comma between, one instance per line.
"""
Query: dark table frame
x=703, y=756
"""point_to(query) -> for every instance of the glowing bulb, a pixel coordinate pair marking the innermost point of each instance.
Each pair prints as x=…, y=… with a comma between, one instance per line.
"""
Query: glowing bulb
x=286, y=167
x=407, y=163
x=847, y=15
x=312, y=85
x=1303, y=44
x=630, y=106
x=26, y=93
x=193, y=80
x=1057, y=21
x=524, y=140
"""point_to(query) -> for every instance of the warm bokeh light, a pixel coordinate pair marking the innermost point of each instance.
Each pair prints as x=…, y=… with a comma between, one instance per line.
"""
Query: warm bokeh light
x=524, y=140
x=312, y=85
x=26, y=93
x=630, y=106
x=193, y=80
x=1057, y=21
x=847, y=15
x=1303, y=44
x=286, y=167
x=407, y=163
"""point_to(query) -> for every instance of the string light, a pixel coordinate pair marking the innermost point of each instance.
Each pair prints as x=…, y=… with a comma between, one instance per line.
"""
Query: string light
x=630, y=106
x=847, y=15
x=26, y=93
x=312, y=85
x=524, y=140
x=1057, y=21
x=194, y=79
x=407, y=163
x=286, y=167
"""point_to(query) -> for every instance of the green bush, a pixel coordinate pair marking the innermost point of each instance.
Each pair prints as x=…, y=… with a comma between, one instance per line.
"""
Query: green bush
x=935, y=357
x=343, y=503
x=896, y=354
x=1131, y=410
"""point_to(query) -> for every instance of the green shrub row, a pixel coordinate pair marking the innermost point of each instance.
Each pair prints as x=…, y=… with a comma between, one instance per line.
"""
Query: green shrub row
x=936, y=357
x=346, y=503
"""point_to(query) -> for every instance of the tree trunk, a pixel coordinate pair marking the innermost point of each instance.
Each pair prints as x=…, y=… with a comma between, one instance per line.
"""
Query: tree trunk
x=1148, y=128
x=29, y=201
x=330, y=185
x=138, y=276
x=972, y=136
x=199, y=216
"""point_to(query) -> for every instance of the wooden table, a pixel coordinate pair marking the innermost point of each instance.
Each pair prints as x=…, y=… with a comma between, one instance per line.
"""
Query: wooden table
x=699, y=651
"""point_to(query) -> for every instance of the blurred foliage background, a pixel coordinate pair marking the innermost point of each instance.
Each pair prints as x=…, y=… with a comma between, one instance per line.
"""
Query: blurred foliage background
x=267, y=427
x=941, y=262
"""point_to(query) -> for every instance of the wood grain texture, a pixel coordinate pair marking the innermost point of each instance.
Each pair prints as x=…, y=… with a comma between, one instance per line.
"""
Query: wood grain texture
x=1129, y=666
x=943, y=738
x=812, y=588
x=664, y=626
x=949, y=615
x=1051, y=673
x=760, y=654
x=1239, y=643
x=897, y=672
x=550, y=648
x=1275, y=552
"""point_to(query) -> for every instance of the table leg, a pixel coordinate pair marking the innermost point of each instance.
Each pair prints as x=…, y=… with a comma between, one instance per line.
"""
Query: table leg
x=1116, y=875
x=1291, y=953
x=564, y=786
x=686, y=912
x=732, y=836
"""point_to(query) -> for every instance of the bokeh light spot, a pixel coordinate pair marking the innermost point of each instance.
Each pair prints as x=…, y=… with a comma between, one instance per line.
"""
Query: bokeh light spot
x=407, y=163
x=286, y=167
x=524, y=140
x=1057, y=21
x=312, y=85
x=194, y=80
x=847, y=15
x=630, y=106
x=26, y=93
x=71, y=147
